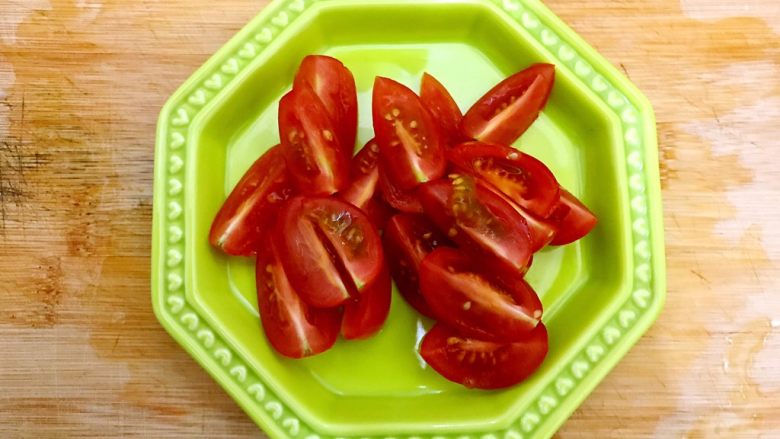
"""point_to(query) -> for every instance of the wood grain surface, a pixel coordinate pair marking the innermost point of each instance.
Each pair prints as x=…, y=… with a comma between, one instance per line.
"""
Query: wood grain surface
x=82, y=82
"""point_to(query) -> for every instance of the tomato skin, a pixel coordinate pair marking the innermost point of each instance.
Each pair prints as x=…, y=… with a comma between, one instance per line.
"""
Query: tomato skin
x=292, y=327
x=572, y=220
x=443, y=108
x=329, y=249
x=408, y=239
x=311, y=148
x=364, y=175
x=251, y=206
x=335, y=86
x=409, y=141
x=476, y=303
x=521, y=177
x=397, y=198
x=505, y=112
x=480, y=222
x=483, y=364
x=365, y=315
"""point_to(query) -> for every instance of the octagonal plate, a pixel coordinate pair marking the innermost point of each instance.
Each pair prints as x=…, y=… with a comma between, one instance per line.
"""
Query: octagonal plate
x=597, y=134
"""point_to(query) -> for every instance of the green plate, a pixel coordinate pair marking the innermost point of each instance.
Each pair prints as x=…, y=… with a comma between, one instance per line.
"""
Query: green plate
x=597, y=134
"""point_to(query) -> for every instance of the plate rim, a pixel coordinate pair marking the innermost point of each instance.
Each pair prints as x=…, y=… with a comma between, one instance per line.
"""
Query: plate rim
x=573, y=383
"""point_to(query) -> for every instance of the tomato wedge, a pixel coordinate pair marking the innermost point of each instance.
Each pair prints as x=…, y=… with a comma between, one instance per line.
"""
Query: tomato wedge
x=329, y=249
x=505, y=112
x=335, y=86
x=521, y=177
x=365, y=315
x=293, y=328
x=397, y=198
x=409, y=141
x=542, y=231
x=408, y=239
x=251, y=207
x=364, y=175
x=473, y=301
x=572, y=219
x=443, y=108
x=483, y=364
x=310, y=145
x=480, y=222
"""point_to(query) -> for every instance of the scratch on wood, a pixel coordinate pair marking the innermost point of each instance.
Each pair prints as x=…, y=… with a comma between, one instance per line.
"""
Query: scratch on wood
x=625, y=70
x=700, y=276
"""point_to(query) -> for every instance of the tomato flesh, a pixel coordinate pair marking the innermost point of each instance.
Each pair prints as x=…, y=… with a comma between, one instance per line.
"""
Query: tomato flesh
x=250, y=208
x=542, y=231
x=409, y=141
x=505, y=112
x=408, y=239
x=397, y=198
x=365, y=315
x=364, y=174
x=293, y=328
x=335, y=86
x=329, y=249
x=443, y=108
x=480, y=222
x=473, y=301
x=522, y=178
x=310, y=145
x=572, y=219
x=483, y=364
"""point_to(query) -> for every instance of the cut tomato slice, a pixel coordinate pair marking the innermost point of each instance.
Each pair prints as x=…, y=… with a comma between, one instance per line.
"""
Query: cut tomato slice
x=365, y=315
x=483, y=364
x=480, y=222
x=504, y=113
x=329, y=248
x=334, y=84
x=408, y=239
x=397, y=198
x=475, y=302
x=364, y=175
x=251, y=207
x=409, y=141
x=293, y=328
x=542, y=231
x=310, y=145
x=522, y=178
x=443, y=108
x=572, y=220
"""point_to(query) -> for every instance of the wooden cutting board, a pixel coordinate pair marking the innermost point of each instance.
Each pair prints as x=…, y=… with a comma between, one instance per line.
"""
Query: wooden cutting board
x=82, y=82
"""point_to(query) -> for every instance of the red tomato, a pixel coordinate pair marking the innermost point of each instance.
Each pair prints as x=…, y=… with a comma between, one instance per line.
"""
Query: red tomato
x=443, y=108
x=483, y=364
x=542, y=231
x=293, y=328
x=480, y=222
x=329, y=248
x=251, y=207
x=364, y=175
x=403, y=200
x=509, y=108
x=474, y=302
x=334, y=85
x=521, y=177
x=409, y=141
x=408, y=239
x=364, y=316
x=311, y=148
x=572, y=219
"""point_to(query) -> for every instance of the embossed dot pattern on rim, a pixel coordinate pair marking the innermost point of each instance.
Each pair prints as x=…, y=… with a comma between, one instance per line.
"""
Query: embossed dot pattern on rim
x=574, y=381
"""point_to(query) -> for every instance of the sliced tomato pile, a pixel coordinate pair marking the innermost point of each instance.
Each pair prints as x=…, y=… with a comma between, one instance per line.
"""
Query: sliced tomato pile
x=438, y=201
